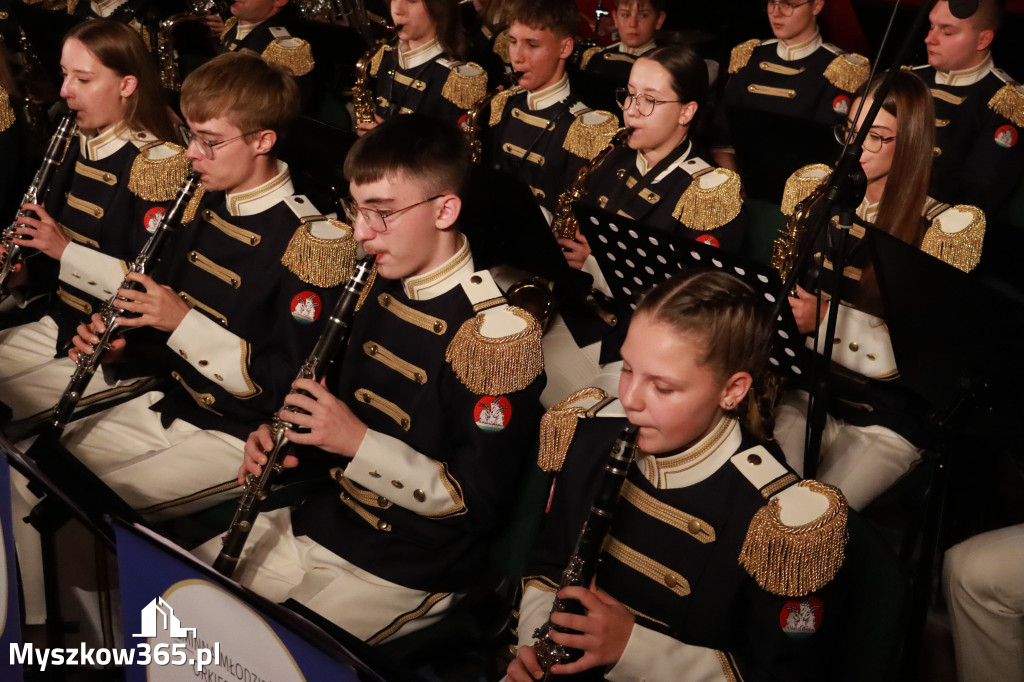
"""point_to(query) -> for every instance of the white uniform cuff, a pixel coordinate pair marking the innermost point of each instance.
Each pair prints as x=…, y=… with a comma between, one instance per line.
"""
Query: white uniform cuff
x=216, y=353
x=862, y=343
x=651, y=657
x=91, y=271
x=534, y=611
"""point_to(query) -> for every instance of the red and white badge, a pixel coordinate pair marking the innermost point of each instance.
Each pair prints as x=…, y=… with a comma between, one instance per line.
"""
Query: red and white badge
x=841, y=105
x=708, y=239
x=801, y=618
x=492, y=413
x=152, y=218
x=305, y=307
x=1006, y=136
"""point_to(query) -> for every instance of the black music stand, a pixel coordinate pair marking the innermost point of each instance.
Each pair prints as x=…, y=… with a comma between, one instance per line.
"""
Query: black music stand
x=634, y=257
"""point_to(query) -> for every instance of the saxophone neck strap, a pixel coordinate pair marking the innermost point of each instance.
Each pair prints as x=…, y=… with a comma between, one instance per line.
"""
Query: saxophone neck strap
x=622, y=194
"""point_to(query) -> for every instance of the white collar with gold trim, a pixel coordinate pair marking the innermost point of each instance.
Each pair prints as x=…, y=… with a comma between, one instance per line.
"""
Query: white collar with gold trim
x=696, y=463
x=104, y=8
x=261, y=198
x=242, y=29
x=106, y=143
x=410, y=59
x=542, y=99
x=966, y=76
x=642, y=166
x=637, y=51
x=443, y=278
x=798, y=50
x=868, y=211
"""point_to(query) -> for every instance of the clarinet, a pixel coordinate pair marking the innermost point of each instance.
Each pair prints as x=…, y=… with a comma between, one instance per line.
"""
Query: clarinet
x=35, y=192
x=316, y=366
x=87, y=364
x=584, y=560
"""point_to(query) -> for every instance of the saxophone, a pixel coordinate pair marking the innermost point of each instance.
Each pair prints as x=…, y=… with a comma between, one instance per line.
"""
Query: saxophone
x=786, y=247
x=165, y=53
x=473, y=129
x=564, y=224
x=362, y=96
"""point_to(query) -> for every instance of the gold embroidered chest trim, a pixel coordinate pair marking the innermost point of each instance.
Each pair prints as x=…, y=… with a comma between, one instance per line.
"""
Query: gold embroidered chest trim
x=400, y=416
x=771, y=67
x=666, y=513
x=203, y=263
x=196, y=303
x=79, y=304
x=85, y=206
x=233, y=231
x=530, y=119
x=947, y=97
x=773, y=92
x=203, y=400
x=392, y=361
x=410, y=82
x=645, y=565
x=432, y=324
x=95, y=174
x=80, y=238
x=520, y=152
x=375, y=521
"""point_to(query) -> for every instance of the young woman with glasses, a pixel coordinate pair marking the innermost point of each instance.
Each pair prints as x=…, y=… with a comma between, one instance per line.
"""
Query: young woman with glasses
x=875, y=428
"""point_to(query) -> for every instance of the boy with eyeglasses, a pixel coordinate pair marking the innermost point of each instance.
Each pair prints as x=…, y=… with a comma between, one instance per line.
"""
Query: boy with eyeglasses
x=783, y=97
x=427, y=421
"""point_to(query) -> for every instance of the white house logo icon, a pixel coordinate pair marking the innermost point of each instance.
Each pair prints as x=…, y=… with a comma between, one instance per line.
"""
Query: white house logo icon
x=157, y=610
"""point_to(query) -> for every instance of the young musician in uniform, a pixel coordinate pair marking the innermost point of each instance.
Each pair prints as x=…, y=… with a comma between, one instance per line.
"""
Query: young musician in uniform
x=636, y=22
x=719, y=561
x=782, y=97
x=264, y=27
x=426, y=71
x=875, y=426
x=115, y=177
x=539, y=131
x=979, y=110
x=427, y=419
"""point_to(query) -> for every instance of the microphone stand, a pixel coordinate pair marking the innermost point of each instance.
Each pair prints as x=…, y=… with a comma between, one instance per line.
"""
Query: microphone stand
x=844, y=191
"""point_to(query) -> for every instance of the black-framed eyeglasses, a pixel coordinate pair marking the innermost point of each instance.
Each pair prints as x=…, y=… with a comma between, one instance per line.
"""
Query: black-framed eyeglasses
x=783, y=8
x=872, y=142
x=644, y=103
x=207, y=147
x=376, y=218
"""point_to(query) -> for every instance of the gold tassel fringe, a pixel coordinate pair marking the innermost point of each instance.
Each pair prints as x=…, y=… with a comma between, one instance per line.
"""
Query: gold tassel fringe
x=801, y=184
x=960, y=249
x=741, y=55
x=558, y=426
x=298, y=59
x=464, y=91
x=501, y=46
x=1009, y=102
x=707, y=209
x=7, y=118
x=587, y=141
x=848, y=72
x=795, y=561
x=498, y=103
x=495, y=366
x=375, y=62
x=193, y=205
x=158, y=179
x=317, y=261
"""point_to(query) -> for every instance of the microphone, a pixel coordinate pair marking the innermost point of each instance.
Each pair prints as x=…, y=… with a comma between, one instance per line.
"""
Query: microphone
x=963, y=9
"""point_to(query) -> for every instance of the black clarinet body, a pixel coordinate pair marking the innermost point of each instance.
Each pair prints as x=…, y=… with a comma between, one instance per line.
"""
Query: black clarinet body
x=583, y=563
x=87, y=364
x=317, y=364
x=36, y=192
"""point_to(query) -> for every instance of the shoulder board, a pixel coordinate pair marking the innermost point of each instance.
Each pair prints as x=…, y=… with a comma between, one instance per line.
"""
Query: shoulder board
x=498, y=350
x=377, y=57
x=6, y=111
x=322, y=252
x=712, y=199
x=467, y=83
x=588, y=55
x=796, y=543
x=590, y=132
x=802, y=183
x=498, y=103
x=1009, y=99
x=228, y=25
x=294, y=54
x=501, y=46
x=955, y=236
x=189, y=214
x=558, y=425
x=847, y=71
x=159, y=170
x=740, y=54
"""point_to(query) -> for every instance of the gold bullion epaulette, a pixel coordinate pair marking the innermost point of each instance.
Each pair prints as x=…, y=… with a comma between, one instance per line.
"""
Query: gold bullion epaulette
x=498, y=103
x=159, y=169
x=848, y=70
x=796, y=543
x=294, y=54
x=467, y=83
x=6, y=110
x=591, y=131
x=192, y=207
x=558, y=425
x=740, y=54
x=501, y=46
x=956, y=235
x=588, y=55
x=322, y=252
x=802, y=183
x=378, y=57
x=228, y=25
x=1009, y=99
x=498, y=350
x=712, y=199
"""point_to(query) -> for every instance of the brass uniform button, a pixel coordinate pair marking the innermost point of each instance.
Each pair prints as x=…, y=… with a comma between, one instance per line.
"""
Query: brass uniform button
x=183, y=354
x=671, y=580
x=419, y=495
x=373, y=349
x=397, y=484
x=475, y=279
x=218, y=377
x=417, y=377
x=693, y=526
x=405, y=423
x=754, y=459
x=383, y=525
x=382, y=501
x=337, y=473
x=438, y=327
x=385, y=300
x=204, y=363
x=374, y=474
x=853, y=346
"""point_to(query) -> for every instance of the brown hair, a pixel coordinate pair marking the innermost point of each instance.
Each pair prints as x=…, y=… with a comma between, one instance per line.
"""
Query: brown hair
x=120, y=49
x=561, y=17
x=244, y=89
x=734, y=323
x=415, y=147
x=686, y=69
x=447, y=18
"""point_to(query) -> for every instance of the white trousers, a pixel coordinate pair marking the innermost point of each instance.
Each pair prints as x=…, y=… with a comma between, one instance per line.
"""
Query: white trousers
x=569, y=368
x=862, y=461
x=984, y=583
x=280, y=566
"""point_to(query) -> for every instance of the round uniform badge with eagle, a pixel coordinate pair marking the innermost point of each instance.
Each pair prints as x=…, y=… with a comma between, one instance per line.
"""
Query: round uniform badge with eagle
x=152, y=218
x=841, y=105
x=492, y=413
x=801, y=618
x=708, y=239
x=1006, y=136
x=306, y=307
